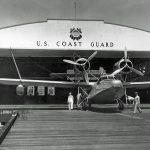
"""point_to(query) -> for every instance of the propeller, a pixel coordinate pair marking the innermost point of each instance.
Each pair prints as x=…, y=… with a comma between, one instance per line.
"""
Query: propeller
x=126, y=66
x=131, y=68
x=82, y=63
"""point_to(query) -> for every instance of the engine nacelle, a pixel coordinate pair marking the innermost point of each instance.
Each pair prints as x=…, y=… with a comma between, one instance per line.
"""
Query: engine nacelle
x=84, y=65
x=124, y=64
x=20, y=90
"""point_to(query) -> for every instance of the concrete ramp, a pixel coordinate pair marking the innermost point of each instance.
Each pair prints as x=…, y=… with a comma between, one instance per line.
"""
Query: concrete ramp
x=78, y=130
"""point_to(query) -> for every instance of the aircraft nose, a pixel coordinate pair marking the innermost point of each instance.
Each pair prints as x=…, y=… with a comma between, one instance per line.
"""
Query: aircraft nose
x=117, y=83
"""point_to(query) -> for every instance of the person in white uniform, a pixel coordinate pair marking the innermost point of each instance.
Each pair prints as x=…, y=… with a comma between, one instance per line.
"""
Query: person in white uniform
x=137, y=103
x=70, y=101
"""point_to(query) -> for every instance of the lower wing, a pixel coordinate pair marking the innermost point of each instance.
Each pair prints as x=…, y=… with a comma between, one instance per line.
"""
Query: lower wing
x=28, y=82
x=141, y=85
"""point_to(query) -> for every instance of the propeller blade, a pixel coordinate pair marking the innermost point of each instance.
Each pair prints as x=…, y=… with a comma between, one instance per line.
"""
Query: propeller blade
x=86, y=77
x=71, y=62
x=136, y=71
x=117, y=71
x=92, y=56
x=125, y=92
x=125, y=54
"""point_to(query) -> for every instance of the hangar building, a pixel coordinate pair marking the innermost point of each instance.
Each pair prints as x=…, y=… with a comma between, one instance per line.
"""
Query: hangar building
x=40, y=47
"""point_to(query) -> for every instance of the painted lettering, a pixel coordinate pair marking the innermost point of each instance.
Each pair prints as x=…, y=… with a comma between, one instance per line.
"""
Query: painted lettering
x=42, y=43
x=80, y=43
x=38, y=43
x=63, y=43
x=45, y=43
x=68, y=44
x=102, y=44
x=75, y=44
x=58, y=43
x=111, y=44
x=107, y=45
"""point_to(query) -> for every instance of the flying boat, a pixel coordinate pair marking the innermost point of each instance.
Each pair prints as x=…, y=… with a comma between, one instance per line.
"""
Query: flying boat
x=106, y=89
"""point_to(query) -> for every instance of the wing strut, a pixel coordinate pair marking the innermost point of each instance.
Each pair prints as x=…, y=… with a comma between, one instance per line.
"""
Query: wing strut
x=16, y=65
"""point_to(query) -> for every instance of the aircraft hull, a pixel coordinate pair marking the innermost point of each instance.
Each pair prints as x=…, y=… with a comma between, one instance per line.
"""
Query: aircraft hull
x=107, y=96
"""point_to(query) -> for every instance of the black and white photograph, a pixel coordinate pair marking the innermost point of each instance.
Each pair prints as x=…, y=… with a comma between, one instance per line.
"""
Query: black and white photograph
x=74, y=74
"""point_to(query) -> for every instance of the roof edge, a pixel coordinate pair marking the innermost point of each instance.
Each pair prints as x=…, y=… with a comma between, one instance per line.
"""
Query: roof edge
x=105, y=22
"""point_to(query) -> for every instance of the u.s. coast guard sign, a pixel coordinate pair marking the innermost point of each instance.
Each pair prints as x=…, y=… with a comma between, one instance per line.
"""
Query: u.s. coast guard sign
x=74, y=35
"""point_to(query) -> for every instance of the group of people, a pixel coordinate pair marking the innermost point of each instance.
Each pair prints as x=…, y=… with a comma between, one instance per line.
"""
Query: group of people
x=136, y=102
x=70, y=100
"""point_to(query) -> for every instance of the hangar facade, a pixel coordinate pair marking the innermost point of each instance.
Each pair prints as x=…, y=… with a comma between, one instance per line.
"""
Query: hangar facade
x=40, y=47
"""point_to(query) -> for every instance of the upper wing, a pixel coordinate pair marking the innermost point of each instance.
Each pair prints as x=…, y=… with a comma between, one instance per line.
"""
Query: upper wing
x=27, y=82
x=141, y=85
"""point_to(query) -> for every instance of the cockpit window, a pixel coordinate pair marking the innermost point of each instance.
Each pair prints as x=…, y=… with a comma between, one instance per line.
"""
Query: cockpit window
x=110, y=77
x=102, y=78
x=106, y=77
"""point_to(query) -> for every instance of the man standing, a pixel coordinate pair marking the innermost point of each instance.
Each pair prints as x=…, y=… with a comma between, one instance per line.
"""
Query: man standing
x=70, y=101
x=137, y=103
x=79, y=99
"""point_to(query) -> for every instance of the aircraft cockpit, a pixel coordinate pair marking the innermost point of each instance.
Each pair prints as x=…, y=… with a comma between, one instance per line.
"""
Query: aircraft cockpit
x=106, y=77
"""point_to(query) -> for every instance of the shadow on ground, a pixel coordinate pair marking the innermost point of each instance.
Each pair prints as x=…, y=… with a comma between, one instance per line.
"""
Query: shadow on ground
x=105, y=110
